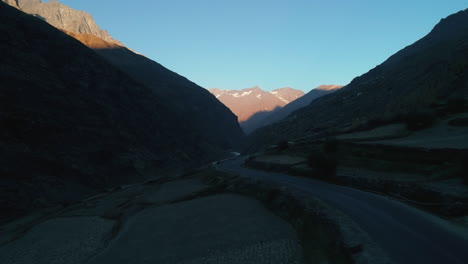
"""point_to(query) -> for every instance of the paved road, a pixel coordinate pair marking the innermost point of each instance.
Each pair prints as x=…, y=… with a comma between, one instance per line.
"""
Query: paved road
x=407, y=234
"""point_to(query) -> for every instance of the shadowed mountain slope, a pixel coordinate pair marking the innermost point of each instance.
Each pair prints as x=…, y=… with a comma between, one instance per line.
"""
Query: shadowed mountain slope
x=431, y=71
x=72, y=123
x=196, y=109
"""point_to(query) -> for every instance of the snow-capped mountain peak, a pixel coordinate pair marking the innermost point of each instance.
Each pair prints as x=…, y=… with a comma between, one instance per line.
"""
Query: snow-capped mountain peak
x=247, y=102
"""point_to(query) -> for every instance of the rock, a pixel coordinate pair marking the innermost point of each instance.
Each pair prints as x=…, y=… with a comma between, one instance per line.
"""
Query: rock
x=13, y=3
x=63, y=17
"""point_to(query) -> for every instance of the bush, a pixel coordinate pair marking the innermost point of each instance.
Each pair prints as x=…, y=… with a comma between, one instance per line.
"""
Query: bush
x=419, y=120
x=376, y=122
x=459, y=122
x=251, y=157
x=282, y=145
x=465, y=174
x=330, y=145
x=464, y=168
x=456, y=105
x=323, y=163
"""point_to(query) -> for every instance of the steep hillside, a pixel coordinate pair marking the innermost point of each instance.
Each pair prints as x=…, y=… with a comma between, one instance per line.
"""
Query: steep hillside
x=431, y=71
x=196, y=108
x=72, y=123
x=252, y=104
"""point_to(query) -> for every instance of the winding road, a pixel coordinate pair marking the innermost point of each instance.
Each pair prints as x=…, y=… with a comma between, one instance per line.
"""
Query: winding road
x=406, y=234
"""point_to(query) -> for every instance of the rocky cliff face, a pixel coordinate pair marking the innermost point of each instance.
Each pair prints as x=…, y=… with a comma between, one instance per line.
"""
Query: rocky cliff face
x=13, y=3
x=62, y=17
x=253, y=104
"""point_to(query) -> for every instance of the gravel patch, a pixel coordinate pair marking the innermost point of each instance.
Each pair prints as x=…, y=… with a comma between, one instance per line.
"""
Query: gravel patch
x=204, y=230
x=60, y=240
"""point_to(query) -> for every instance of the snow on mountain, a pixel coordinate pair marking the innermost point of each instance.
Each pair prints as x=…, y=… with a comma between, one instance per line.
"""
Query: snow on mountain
x=251, y=102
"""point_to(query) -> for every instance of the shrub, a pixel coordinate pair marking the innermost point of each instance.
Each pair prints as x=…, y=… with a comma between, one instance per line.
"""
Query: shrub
x=251, y=157
x=464, y=168
x=456, y=105
x=330, y=145
x=465, y=175
x=376, y=122
x=282, y=145
x=419, y=120
x=324, y=164
x=459, y=122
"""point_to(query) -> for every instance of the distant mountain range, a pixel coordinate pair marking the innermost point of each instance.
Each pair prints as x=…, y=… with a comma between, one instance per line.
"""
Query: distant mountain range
x=280, y=113
x=256, y=108
x=251, y=103
x=75, y=120
x=430, y=72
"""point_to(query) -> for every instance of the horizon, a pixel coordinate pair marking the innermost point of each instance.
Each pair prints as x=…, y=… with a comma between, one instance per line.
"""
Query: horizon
x=233, y=46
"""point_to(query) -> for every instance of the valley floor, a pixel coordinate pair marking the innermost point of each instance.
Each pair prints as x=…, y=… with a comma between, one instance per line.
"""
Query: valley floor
x=182, y=221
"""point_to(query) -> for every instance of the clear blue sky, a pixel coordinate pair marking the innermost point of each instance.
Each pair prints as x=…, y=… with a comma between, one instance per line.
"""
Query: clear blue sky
x=235, y=44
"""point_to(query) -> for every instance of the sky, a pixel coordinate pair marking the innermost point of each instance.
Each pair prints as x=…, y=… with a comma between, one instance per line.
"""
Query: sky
x=236, y=44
